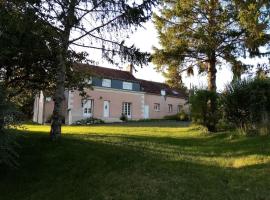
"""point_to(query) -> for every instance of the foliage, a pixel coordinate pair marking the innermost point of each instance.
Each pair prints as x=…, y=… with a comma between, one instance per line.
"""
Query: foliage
x=181, y=116
x=160, y=161
x=200, y=109
x=8, y=117
x=203, y=34
x=88, y=121
x=95, y=25
x=123, y=117
x=246, y=104
x=147, y=120
x=28, y=55
x=173, y=78
x=29, y=42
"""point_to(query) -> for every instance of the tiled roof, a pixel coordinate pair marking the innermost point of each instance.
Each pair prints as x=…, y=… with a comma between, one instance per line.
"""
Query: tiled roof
x=156, y=87
x=146, y=86
x=106, y=72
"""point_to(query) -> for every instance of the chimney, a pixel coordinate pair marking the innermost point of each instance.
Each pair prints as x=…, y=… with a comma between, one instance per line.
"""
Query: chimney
x=129, y=68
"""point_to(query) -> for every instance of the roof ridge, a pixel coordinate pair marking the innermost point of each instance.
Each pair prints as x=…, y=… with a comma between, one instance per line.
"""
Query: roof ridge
x=90, y=65
x=151, y=81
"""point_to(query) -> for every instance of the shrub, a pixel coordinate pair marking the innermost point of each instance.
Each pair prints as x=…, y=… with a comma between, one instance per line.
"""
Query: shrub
x=88, y=121
x=8, y=117
x=201, y=112
x=172, y=117
x=182, y=116
x=123, y=117
x=246, y=104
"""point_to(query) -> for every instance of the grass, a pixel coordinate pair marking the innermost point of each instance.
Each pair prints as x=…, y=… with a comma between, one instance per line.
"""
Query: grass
x=164, y=160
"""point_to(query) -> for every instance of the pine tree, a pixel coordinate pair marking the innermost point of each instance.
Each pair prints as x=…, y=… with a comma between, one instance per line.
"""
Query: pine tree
x=173, y=78
x=201, y=34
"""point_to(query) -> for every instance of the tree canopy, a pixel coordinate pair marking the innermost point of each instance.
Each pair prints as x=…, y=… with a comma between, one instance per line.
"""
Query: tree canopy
x=206, y=34
x=100, y=24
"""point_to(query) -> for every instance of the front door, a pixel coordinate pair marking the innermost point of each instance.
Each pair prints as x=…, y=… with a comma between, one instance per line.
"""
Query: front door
x=106, y=109
x=146, y=112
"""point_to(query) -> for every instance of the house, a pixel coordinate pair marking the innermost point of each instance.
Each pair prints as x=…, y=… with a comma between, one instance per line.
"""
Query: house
x=114, y=92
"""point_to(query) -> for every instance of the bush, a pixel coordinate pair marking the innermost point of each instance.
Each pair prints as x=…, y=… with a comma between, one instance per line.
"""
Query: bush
x=123, y=117
x=9, y=117
x=182, y=116
x=88, y=121
x=246, y=104
x=201, y=112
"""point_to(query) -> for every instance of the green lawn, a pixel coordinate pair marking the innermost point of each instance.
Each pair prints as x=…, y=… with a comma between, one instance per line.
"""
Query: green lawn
x=158, y=161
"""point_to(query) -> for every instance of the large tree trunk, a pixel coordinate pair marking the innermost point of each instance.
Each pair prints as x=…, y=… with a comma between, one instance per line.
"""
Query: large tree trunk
x=59, y=97
x=213, y=101
x=211, y=75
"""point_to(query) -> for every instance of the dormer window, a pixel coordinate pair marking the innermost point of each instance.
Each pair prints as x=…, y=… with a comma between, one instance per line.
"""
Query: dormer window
x=48, y=99
x=127, y=86
x=163, y=92
x=88, y=80
x=106, y=82
x=175, y=92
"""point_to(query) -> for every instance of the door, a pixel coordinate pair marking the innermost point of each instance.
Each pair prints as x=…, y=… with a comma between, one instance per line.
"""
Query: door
x=106, y=109
x=88, y=108
x=146, y=112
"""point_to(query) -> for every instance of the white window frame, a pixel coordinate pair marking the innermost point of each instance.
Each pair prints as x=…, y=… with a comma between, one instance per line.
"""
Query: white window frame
x=127, y=85
x=48, y=99
x=170, y=108
x=106, y=82
x=88, y=80
x=126, y=109
x=157, y=107
x=163, y=92
x=88, y=107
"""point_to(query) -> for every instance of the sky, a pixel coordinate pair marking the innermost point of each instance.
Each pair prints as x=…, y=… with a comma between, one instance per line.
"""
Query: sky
x=145, y=38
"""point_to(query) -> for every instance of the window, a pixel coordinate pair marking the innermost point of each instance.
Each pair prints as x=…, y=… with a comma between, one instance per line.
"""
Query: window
x=48, y=99
x=157, y=107
x=106, y=82
x=126, y=109
x=127, y=86
x=179, y=108
x=88, y=80
x=88, y=108
x=170, y=107
x=175, y=92
x=163, y=92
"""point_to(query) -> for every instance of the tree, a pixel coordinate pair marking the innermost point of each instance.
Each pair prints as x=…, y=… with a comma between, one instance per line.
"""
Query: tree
x=9, y=116
x=28, y=55
x=246, y=104
x=200, y=112
x=202, y=34
x=174, y=78
x=102, y=21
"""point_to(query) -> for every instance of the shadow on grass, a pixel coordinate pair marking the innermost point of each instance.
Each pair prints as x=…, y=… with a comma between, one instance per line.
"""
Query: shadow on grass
x=161, y=123
x=134, y=167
